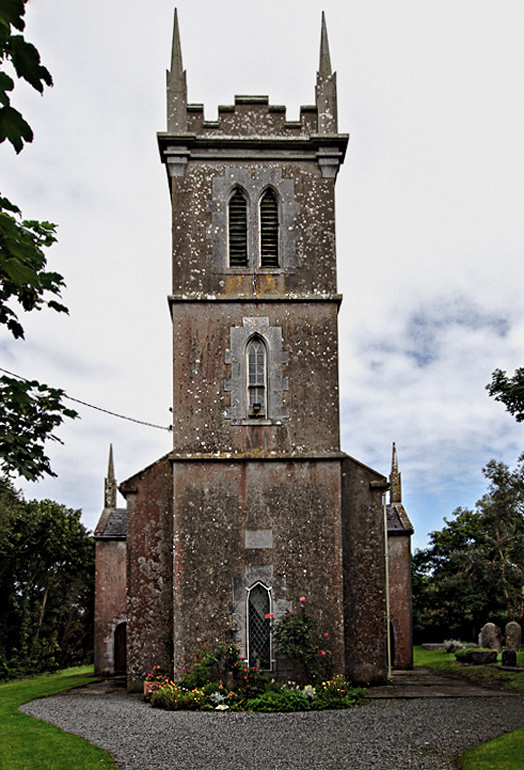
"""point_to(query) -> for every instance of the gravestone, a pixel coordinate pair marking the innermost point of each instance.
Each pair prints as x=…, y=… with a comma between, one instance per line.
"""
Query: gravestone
x=481, y=657
x=513, y=636
x=491, y=637
x=509, y=658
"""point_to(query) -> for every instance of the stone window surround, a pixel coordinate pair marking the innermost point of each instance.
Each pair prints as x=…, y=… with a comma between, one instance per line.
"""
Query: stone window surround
x=236, y=356
x=253, y=574
x=253, y=182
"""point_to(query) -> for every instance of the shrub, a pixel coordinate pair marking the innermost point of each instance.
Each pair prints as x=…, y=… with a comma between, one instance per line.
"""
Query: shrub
x=287, y=699
x=225, y=665
x=297, y=636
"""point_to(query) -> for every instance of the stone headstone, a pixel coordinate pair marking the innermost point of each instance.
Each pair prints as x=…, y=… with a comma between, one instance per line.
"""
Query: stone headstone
x=490, y=637
x=481, y=657
x=513, y=636
x=509, y=658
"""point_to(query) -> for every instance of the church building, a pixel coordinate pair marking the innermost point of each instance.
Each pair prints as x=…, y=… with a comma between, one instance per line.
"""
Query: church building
x=256, y=505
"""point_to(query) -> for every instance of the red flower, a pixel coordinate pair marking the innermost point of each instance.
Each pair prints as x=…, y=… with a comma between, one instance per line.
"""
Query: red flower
x=269, y=615
x=302, y=599
x=321, y=654
x=326, y=635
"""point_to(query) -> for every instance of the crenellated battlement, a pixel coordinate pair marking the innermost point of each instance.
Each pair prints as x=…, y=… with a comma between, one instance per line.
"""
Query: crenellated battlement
x=252, y=116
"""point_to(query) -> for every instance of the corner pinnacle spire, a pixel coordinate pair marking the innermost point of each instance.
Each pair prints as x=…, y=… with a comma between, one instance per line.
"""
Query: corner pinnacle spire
x=395, y=479
x=324, y=69
x=326, y=88
x=176, y=86
x=110, y=483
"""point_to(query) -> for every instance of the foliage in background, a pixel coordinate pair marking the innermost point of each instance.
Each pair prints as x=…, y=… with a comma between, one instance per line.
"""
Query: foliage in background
x=297, y=636
x=46, y=585
x=473, y=570
x=30, y=411
x=25, y=60
x=27, y=743
x=509, y=391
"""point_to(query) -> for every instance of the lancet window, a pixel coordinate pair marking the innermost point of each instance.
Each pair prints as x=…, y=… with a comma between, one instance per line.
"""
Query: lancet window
x=269, y=229
x=256, y=378
x=259, y=626
x=237, y=229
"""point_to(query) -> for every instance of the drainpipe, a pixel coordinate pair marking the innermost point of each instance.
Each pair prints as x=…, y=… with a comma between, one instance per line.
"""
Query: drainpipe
x=386, y=564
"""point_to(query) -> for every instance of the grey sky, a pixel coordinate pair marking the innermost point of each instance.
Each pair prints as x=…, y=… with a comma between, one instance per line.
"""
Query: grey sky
x=429, y=228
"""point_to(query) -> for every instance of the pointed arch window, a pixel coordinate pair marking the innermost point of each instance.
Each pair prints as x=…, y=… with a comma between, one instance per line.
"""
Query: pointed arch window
x=259, y=626
x=256, y=378
x=237, y=229
x=269, y=229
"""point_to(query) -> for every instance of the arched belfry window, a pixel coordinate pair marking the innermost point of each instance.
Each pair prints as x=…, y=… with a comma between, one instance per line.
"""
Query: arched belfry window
x=237, y=229
x=269, y=229
x=259, y=626
x=256, y=378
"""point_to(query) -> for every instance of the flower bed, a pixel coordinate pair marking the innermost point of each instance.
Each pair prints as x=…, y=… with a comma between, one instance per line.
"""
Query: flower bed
x=334, y=694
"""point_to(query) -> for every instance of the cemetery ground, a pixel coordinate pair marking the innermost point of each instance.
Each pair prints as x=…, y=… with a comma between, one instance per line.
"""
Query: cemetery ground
x=490, y=675
x=28, y=743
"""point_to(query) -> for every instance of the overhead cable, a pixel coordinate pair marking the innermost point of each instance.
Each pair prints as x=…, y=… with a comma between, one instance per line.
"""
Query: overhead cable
x=98, y=408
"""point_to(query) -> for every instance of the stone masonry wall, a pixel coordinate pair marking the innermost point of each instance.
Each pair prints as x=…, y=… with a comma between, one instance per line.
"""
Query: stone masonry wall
x=239, y=522
x=201, y=339
x=399, y=553
x=364, y=572
x=110, y=600
x=149, y=571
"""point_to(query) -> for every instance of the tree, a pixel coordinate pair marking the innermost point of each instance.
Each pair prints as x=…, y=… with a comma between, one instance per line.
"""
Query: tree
x=25, y=60
x=30, y=410
x=46, y=583
x=509, y=390
x=473, y=569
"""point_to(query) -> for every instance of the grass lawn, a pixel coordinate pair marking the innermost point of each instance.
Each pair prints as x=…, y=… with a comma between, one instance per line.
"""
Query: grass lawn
x=505, y=752
x=27, y=743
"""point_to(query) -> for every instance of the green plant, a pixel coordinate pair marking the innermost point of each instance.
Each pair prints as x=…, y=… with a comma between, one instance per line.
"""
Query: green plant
x=172, y=697
x=224, y=664
x=298, y=637
x=337, y=693
x=287, y=699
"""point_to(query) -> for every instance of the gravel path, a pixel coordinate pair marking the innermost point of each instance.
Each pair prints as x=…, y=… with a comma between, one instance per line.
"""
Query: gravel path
x=382, y=735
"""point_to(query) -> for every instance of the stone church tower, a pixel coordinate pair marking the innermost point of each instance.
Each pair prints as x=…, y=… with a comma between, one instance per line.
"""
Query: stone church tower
x=256, y=505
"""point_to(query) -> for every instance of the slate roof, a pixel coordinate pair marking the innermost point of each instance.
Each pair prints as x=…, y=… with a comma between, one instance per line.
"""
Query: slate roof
x=112, y=524
x=398, y=520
